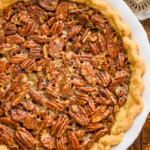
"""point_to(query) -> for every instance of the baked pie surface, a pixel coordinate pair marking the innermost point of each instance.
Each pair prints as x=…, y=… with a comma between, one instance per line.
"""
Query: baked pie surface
x=70, y=75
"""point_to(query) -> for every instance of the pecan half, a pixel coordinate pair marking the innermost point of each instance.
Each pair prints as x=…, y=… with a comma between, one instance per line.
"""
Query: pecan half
x=28, y=64
x=8, y=121
x=41, y=39
x=45, y=29
x=55, y=104
x=100, y=134
x=30, y=122
x=4, y=79
x=60, y=143
x=2, y=37
x=3, y=65
x=7, y=99
x=112, y=48
x=61, y=11
x=79, y=115
x=57, y=27
x=99, y=115
x=104, y=79
x=79, y=82
x=18, y=58
x=30, y=44
x=90, y=107
x=121, y=60
x=88, y=72
x=50, y=120
x=47, y=140
x=36, y=52
x=6, y=135
x=24, y=138
x=27, y=29
x=37, y=14
x=98, y=20
x=94, y=48
x=60, y=126
x=55, y=46
x=18, y=98
x=7, y=13
x=102, y=42
x=100, y=62
x=14, y=39
x=74, y=141
x=37, y=97
x=46, y=4
x=10, y=28
x=94, y=127
x=18, y=114
x=75, y=30
x=53, y=91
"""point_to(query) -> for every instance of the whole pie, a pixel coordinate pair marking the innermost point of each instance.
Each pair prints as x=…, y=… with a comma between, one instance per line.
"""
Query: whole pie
x=70, y=75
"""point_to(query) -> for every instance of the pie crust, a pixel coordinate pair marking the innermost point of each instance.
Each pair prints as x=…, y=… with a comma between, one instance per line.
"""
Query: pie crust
x=133, y=105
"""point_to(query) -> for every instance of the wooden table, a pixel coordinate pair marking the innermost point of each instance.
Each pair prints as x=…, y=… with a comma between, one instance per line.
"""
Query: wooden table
x=144, y=137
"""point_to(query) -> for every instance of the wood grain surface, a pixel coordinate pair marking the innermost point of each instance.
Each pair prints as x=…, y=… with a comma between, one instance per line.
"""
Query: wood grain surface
x=143, y=140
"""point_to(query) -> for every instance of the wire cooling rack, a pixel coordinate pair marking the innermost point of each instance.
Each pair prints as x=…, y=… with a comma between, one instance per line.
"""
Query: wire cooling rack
x=143, y=140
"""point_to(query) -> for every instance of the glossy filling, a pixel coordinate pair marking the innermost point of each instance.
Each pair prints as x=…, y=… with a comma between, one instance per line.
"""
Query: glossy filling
x=64, y=73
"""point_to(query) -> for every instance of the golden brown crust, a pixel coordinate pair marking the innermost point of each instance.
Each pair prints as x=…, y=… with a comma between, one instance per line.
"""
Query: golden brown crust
x=134, y=105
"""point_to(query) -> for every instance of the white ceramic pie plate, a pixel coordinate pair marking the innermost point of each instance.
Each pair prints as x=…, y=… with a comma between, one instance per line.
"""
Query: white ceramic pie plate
x=139, y=35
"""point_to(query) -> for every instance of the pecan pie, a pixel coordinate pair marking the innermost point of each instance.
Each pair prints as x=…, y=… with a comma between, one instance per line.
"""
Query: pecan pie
x=70, y=76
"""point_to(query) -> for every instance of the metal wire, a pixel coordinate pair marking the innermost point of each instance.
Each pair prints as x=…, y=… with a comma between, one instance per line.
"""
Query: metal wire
x=138, y=7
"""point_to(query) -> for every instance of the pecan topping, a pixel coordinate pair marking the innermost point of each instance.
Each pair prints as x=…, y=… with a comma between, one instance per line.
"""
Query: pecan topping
x=64, y=74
